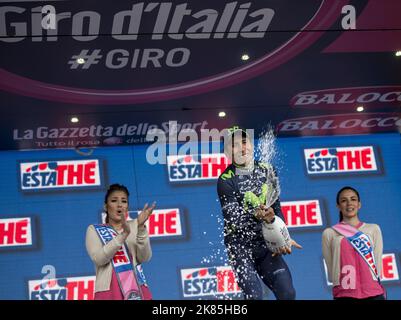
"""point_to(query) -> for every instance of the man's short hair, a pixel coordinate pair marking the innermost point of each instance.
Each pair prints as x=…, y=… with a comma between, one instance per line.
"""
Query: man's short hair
x=231, y=133
x=234, y=131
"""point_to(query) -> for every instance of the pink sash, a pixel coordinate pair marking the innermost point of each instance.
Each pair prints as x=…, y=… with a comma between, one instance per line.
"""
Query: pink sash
x=131, y=280
x=360, y=242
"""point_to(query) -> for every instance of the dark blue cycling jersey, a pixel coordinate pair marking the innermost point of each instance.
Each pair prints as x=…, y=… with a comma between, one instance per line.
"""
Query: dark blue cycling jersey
x=240, y=192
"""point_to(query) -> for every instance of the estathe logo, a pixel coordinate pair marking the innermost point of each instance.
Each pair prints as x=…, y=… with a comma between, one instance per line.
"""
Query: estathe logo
x=16, y=232
x=390, y=268
x=59, y=174
x=163, y=223
x=72, y=288
x=165, y=36
x=196, y=167
x=334, y=160
x=301, y=214
x=209, y=281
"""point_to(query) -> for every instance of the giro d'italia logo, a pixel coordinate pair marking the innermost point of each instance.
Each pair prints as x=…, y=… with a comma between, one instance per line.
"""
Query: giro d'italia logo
x=150, y=51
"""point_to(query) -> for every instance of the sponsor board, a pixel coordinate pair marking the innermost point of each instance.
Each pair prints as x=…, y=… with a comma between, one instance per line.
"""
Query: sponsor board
x=59, y=174
x=303, y=214
x=382, y=96
x=70, y=288
x=340, y=124
x=208, y=282
x=200, y=167
x=96, y=134
x=167, y=37
x=162, y=223
x=341, y=160
x=17, y=233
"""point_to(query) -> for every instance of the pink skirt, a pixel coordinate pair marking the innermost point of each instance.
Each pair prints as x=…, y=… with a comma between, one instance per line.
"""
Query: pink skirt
x=114, y=293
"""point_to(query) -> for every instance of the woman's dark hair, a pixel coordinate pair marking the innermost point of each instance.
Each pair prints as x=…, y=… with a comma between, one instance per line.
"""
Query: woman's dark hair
x=110, y=190
x=338, y=197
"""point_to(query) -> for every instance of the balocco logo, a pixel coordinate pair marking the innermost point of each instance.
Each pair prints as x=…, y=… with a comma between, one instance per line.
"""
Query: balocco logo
x=169, y=43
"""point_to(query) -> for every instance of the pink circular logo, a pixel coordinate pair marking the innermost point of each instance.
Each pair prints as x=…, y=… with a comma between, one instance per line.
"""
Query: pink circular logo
x=323, y=18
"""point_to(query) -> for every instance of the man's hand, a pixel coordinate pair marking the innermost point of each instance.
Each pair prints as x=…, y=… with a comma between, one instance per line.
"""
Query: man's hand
x=264, y=213
x=287, y=250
